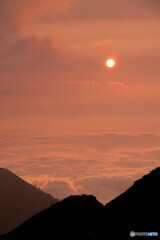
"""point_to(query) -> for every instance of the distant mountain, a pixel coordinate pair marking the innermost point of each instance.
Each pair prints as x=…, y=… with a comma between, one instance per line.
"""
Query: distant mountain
x=84, y=218
x=19, y=200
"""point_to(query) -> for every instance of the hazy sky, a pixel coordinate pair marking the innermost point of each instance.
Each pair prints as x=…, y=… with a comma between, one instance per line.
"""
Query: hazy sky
x=67, y=123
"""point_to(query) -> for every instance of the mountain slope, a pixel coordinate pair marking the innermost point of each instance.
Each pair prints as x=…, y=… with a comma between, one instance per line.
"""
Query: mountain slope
x=72, y=217
x=83, y=217
x=137, y=209
x=19, y=200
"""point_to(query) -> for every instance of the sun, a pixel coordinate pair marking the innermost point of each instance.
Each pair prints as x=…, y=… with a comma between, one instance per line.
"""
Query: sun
x=110, y=63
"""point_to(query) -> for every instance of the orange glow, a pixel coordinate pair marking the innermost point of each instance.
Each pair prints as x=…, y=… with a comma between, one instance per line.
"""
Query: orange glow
x=110, y=63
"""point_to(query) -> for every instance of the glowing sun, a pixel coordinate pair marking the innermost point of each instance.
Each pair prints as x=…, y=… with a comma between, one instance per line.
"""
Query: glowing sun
x=110, y=63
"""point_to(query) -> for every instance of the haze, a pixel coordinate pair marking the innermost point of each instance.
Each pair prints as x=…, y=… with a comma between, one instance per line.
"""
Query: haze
x=68, y=124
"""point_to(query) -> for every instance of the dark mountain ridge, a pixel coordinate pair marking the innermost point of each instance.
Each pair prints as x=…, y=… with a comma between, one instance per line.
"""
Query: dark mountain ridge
x=84, y=218
x=19, y=200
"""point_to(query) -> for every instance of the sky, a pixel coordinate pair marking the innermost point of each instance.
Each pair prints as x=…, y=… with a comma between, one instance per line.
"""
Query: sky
x=68, y=123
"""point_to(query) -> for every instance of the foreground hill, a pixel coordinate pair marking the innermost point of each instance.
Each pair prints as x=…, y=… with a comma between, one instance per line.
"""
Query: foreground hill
x=83, y=217
x=19, y=200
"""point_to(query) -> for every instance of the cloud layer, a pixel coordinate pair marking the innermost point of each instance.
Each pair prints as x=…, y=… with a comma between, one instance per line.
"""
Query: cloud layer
x=104, y=164
x=69, y=124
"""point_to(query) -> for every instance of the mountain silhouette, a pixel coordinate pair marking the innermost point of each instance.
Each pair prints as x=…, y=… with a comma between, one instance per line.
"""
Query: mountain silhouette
x=19, y=200
x=84, y=218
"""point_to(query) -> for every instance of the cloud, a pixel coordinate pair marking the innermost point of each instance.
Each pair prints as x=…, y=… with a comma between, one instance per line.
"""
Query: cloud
x=152, y=6
x=94, y=84
x=104, y=164
x=91, y=46
x=84, y=83
x=99, y=141
x=31, y=55
x=104, y=188
x=154, y=154
x=81, y=10
x=59, y=189
x=121, y=84
x=138, y=163
x=108, y=141
x=22, y=12
x=53, y=76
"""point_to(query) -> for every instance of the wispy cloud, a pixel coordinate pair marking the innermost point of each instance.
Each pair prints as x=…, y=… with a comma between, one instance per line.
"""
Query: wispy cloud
x=83, y=83
x=121, y=84
x=92, y=83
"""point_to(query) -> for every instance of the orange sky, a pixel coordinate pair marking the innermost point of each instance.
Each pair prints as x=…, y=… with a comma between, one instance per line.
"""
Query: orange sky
x=57, y=94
